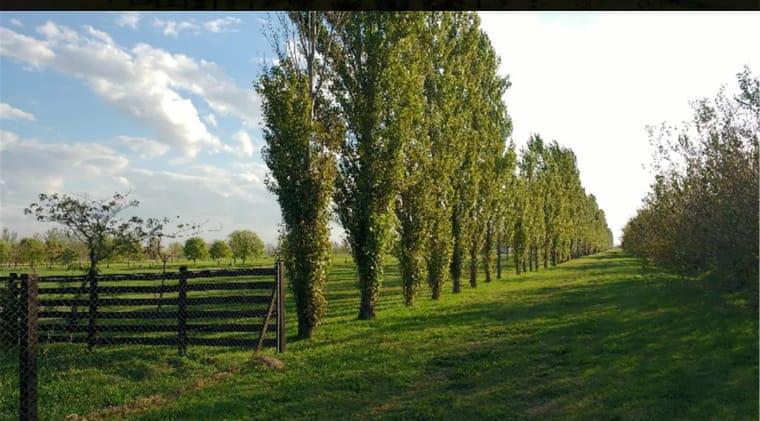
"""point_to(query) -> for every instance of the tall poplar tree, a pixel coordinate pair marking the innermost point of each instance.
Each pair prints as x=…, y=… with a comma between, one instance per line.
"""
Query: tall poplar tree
x=444, y=123
x=303, y=132
x=465, y=177
x=371, y=79
x=409, y=125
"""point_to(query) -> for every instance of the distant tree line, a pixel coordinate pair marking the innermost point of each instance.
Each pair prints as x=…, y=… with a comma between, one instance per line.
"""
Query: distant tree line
x=56, y=248
x=701, y=215
x=395, y=123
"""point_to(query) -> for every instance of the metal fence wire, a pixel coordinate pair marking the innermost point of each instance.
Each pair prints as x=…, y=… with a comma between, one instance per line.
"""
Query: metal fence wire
x=181, y=309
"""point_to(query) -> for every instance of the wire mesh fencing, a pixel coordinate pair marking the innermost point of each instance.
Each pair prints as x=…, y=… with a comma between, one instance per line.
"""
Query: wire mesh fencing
x=218, y=308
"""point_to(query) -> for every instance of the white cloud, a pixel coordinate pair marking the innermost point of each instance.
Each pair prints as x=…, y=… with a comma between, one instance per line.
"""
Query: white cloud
x=130, y=19
x=197, y=192
x=210, y=119
x=221, y=24
x=174, y=28
x=593, y=81
x=8, y=112
x=55, y=33
x=245, y=145
x=6, y=138
x=146, y=82
x=99, y=35
x=16, y=22
x=147, y=148
x=27, y=49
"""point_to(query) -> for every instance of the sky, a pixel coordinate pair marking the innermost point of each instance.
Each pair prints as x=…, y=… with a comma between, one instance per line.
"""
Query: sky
x=162, y=104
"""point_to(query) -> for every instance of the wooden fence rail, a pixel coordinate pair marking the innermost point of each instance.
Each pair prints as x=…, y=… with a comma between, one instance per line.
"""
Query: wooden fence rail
x=52, y=314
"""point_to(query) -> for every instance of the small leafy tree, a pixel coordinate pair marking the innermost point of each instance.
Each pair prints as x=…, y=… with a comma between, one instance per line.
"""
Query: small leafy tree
x=131, y=252
x=5, y=252
x=195, y=248
x=32, y=250
x=96, y=222
x=219, y=250
x=54, y=245
x=245, y=244
x=11, y=239
x=175, y=251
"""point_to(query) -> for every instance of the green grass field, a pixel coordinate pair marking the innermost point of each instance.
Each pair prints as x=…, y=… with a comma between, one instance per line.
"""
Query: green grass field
x=598, y=337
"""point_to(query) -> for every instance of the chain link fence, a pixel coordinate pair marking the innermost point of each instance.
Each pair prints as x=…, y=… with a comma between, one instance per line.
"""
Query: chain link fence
x=64, y=336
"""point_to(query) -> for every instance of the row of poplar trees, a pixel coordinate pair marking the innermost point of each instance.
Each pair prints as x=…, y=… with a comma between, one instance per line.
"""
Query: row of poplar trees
x=395, y=121
x=701, y=215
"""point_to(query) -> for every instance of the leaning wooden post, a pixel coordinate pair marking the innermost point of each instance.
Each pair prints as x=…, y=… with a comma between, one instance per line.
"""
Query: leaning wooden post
x=182, y=312
x=28, y=349
x=93, y=310
x=280, y=267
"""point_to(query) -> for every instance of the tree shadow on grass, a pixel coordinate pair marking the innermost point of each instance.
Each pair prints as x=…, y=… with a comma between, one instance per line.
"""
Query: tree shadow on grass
x=619, y=349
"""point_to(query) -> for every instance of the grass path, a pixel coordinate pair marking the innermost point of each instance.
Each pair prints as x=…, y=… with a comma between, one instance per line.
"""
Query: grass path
x=593, y=338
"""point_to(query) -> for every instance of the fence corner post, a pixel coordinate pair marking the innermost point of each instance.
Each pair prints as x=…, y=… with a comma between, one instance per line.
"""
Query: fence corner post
x=182, y=312
x=281, y=342
x=93, y=310
x=28, y=348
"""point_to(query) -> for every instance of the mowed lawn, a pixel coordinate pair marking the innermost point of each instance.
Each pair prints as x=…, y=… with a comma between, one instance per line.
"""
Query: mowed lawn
x=598, y=337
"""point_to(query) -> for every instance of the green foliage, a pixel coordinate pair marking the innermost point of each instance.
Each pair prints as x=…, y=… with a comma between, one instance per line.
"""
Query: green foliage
x=31, y=250
x=368, y=65
x=476, y=57
x=195, y=248
x=175, y=250
x=96, y=222
x=553, y=217
x=702, y=212
x=302, y=133
x=409, y=128
x=6, y=251
x=219, y=250
x=244, y=244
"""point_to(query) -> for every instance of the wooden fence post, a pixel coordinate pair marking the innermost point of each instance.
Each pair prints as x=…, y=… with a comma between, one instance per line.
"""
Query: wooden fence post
x=182, y=312
x=280, y=306
x=28, y=348
x=91, y=328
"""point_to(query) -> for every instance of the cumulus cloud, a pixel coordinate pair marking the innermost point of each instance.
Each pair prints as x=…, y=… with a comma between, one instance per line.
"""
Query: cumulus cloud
x=24, y=48
x=197, y=192
x=6, y=138
x=146, y=82
x=147, y=148
x=221, y=24
x=130, y=19
x=16, y=22
x=210, y=119
x=244, y=143
x=174, y=28
x=31, y=167
x=9, y=112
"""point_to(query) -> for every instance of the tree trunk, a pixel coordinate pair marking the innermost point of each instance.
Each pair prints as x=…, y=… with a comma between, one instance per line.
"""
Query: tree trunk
x=367, y=307
x=473, y=266
x=530, y=259
x=498, y=259
x=457, y=255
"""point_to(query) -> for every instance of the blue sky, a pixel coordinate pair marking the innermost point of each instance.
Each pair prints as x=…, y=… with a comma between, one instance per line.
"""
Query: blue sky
x=162, y=104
